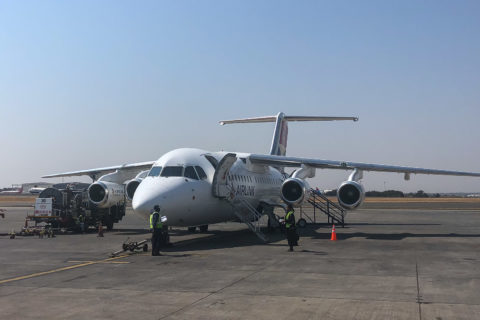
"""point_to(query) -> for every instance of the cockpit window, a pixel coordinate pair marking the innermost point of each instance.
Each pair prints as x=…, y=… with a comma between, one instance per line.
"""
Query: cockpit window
x=190, y=173
x=212, y=160
x=172, y=172
x=155, y=172
x=201, y=173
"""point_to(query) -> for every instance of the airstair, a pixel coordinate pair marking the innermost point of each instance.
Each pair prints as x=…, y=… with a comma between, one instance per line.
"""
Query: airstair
x=334, y=212
x=248, y=215
x=244, y=211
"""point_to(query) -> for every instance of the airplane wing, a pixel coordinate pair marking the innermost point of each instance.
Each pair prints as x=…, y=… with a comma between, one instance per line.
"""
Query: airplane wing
x=284, y=161
x=94, y=173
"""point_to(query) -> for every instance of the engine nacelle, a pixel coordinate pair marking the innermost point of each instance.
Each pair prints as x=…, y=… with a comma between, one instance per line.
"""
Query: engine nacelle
x=295, y=191
x=131, y=187
x=350, y=194
x=106, y=194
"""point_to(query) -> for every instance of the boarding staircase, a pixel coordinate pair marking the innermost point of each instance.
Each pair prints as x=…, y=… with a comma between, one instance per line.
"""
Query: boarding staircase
x=334, y=212
x=242, y=209
x=248, y=215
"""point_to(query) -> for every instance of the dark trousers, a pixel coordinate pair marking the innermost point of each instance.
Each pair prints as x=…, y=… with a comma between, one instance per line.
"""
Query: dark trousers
x=291, y=237
x=156, y=241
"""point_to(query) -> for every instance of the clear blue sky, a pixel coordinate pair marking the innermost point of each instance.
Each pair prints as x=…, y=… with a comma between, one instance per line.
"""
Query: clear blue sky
x=85, y=84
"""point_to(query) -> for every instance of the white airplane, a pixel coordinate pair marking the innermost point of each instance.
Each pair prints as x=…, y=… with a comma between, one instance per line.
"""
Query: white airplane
x=195, y=187
x=36, y=190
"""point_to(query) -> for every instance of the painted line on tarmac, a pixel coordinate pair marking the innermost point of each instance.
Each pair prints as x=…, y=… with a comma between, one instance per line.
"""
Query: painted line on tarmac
x=38, y=274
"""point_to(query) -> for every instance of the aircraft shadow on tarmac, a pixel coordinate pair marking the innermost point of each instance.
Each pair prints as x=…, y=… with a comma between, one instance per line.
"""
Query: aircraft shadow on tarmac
x=312, y=231
x=221, y=239
x=216, y=239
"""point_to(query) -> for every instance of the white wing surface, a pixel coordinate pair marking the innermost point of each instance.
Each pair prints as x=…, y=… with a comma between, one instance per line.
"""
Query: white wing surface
x=284, y=161
x=94, y=173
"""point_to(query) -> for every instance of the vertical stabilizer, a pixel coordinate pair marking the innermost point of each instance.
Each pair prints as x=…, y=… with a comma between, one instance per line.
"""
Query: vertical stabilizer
x=280, y=136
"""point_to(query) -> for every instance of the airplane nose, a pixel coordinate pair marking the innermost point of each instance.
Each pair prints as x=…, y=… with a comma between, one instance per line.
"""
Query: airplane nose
x=168, y=193
x=143, y=203
x=144, y=199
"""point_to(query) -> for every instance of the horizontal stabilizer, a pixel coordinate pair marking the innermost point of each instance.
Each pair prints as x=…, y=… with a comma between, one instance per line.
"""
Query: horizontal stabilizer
x=280, y=134
x=288, y=118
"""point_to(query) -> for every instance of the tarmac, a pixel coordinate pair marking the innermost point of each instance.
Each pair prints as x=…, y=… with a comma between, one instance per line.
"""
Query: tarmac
x=388, y=263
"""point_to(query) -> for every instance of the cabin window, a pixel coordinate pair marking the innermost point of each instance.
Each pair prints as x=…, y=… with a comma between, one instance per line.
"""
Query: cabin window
x=201, y=173
x=190, y=173
x=212, y=160
x=155, y=172
x=172, y=172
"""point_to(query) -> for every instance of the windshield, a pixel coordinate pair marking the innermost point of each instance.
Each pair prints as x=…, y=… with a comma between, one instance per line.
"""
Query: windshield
x=172, y=172
x=155, y=172
x=190, y=173
x=201, y=173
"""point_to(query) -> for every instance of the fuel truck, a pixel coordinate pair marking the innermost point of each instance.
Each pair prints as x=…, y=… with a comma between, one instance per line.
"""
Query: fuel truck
x=97, y=203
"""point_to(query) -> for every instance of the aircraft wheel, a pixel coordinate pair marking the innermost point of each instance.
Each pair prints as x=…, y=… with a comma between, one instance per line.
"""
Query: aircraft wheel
x=145, y=247
x=204, y=228
x=192, y=229
x=302, y=223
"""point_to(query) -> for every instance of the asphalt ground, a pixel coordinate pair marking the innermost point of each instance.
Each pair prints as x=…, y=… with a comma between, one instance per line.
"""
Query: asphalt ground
x=387, y=263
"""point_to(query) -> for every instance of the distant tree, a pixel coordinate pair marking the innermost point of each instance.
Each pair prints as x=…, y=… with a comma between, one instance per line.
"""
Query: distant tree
x=420, y=194
x=386, y=193
x=331, y=193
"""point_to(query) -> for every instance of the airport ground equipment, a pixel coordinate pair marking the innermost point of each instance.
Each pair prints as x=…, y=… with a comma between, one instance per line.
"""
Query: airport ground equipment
x=44, y=230
x=61, y=209
x=295, y=191
x=132, y=246
x=320, y=202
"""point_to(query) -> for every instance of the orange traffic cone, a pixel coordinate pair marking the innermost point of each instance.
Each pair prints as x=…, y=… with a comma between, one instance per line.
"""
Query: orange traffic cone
x=100, y=230
x=334, y=235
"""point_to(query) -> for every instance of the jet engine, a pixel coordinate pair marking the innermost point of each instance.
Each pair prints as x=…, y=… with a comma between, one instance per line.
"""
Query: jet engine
x=106, y=194
x=295, y=191
x=131, y=187
x=350, y=194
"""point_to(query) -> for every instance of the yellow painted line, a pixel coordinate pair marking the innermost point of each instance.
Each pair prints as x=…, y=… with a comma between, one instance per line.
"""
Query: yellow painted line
x=38, y=274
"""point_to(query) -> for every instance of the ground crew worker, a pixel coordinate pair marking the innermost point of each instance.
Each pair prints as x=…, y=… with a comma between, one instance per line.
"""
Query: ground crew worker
x=156, y=228
x=290, y=227
x=81, y=220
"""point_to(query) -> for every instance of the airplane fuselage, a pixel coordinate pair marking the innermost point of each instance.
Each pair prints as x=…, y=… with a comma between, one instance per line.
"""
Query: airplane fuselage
x=180, y=182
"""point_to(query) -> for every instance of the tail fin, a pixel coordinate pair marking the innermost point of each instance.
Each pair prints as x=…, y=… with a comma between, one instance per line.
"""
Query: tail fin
x=280, y=134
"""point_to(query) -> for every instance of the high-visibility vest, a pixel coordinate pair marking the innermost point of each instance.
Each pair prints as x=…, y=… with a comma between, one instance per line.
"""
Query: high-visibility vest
x=287, y=217
x=159, y=222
